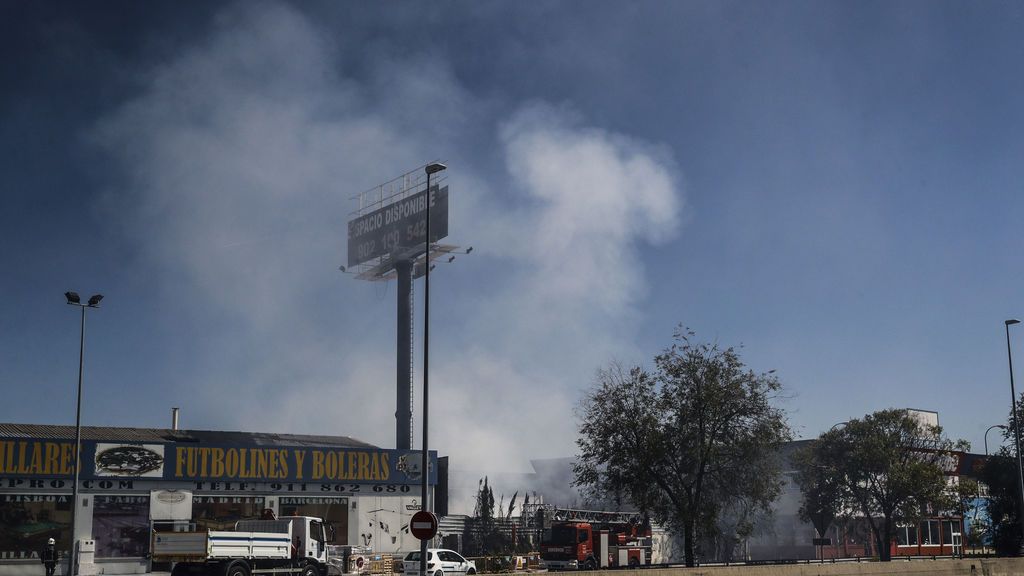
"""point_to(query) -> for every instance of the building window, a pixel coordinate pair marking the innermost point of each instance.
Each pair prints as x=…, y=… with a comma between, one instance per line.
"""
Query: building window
x=334, y=511
x=906, y=535
x=221, y=512
x=930, y=533
x=120, y=525
x=28, y=520
x=948, y=527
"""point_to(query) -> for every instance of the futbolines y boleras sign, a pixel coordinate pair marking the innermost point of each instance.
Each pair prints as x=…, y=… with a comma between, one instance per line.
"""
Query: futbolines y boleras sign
x=293, y=464
x=398, y=227
x=37, y=458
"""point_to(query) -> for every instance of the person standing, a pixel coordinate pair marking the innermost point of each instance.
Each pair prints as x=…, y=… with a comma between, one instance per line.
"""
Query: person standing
x=49, y=556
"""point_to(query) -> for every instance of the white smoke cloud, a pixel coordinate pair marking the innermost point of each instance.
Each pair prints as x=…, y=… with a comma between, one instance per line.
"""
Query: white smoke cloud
x=585, y=200
x=599, y=194
x=240, y=157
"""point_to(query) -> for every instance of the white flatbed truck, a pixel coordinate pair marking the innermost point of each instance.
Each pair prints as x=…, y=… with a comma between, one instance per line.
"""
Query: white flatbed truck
x=287, y=546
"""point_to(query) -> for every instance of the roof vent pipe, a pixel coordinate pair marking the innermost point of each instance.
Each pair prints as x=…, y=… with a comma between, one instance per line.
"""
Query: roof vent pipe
x=174, y=418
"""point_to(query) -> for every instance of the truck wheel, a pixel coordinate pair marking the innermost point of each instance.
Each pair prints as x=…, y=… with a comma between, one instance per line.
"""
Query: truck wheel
x=634, y=562
x=470, y=572
x=590, y=564
x=237, y=569
x=179, y=570
x=310, y=570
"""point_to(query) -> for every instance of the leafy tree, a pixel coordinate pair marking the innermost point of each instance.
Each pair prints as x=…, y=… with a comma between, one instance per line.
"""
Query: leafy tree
x=697, y=437
x=964, y=500
x=1001, y=476
x=822, y=489
x=888, y=467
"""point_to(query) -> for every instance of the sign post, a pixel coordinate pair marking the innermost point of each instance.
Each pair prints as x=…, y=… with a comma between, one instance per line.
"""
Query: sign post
x=423, y=525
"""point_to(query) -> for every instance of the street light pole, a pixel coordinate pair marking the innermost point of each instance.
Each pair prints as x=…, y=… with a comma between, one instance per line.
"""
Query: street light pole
x=986, y=435
x=94, y=301
x=430, y=169
x=1016, y=429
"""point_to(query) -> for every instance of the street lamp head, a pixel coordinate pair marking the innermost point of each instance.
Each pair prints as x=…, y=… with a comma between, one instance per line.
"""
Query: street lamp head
x=435, y=167
x=1011, y=322
x=72, y=297
x=95, y=300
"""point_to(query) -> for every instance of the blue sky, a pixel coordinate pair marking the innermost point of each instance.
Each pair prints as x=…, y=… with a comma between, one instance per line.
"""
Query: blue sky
x=835, y=186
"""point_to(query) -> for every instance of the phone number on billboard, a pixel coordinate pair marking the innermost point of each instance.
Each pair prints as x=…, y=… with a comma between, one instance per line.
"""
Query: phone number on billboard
x=342, y=488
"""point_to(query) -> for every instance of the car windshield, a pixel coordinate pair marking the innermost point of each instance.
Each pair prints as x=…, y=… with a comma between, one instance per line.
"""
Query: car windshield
x=415, y=556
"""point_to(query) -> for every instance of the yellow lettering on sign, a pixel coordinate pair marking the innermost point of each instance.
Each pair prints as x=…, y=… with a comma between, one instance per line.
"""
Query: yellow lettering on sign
x=231, y=467
x=22, y=469
x=179, y=461
x=216, y=462
x=243, y=460
x=318, y=465
x=300, y=455
x=375, y=465
x=67, y=454
x=283, y=458
x=364, y=466
x=353, y=465
x=263, y=464
x=204, y=454
x=52, y=458
x=335, y=467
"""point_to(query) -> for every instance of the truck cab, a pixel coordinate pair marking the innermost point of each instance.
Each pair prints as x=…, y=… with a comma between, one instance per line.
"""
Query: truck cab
x=310, y=537
x=569, y=546
x=584, y=546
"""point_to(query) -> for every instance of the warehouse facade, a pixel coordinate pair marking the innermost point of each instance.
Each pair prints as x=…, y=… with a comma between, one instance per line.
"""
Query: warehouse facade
x=134, y=481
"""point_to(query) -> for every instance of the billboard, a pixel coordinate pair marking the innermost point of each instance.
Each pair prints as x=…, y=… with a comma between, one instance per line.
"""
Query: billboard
x=30, y=458
x=399, y=227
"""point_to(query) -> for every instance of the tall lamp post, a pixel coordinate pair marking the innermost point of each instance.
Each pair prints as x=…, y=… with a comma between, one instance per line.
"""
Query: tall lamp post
x=1016, y=429
x=431, y=169
x=94, y=302
x=986, y=435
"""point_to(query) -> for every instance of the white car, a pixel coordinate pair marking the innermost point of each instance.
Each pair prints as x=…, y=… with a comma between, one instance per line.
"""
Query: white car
x=440, y=562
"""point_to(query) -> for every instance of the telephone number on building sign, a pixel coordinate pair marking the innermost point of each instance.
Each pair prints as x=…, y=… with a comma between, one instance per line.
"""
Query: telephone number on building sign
x=378, y=489
x=343, y=488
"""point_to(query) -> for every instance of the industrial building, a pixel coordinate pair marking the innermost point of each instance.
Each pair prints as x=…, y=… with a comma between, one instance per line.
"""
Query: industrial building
x=133, y=481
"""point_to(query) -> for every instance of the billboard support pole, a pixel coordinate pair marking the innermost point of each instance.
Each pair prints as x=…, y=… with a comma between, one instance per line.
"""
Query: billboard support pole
x=403, y=408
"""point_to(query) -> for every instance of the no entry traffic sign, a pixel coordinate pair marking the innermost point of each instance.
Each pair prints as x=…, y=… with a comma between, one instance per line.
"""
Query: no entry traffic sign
x=423, y=525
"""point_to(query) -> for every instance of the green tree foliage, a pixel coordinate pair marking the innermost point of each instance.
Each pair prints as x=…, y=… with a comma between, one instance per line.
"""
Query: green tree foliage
x=1000, y=475
x=696, y=439
x=822, y=489
x=965, y=497
x=1002, y=478
x=886, y=467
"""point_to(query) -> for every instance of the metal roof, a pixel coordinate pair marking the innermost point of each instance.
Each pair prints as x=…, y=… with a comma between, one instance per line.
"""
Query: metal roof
x=116, y=434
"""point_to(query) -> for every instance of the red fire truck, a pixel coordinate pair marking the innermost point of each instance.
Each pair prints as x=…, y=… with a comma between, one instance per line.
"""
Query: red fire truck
x=587, y=540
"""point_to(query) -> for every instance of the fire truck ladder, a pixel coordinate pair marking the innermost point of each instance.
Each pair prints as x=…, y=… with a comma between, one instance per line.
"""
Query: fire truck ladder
x=591, y=516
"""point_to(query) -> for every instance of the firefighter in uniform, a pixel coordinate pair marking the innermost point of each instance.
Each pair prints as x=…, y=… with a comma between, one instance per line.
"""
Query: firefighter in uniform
x=49, y=556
